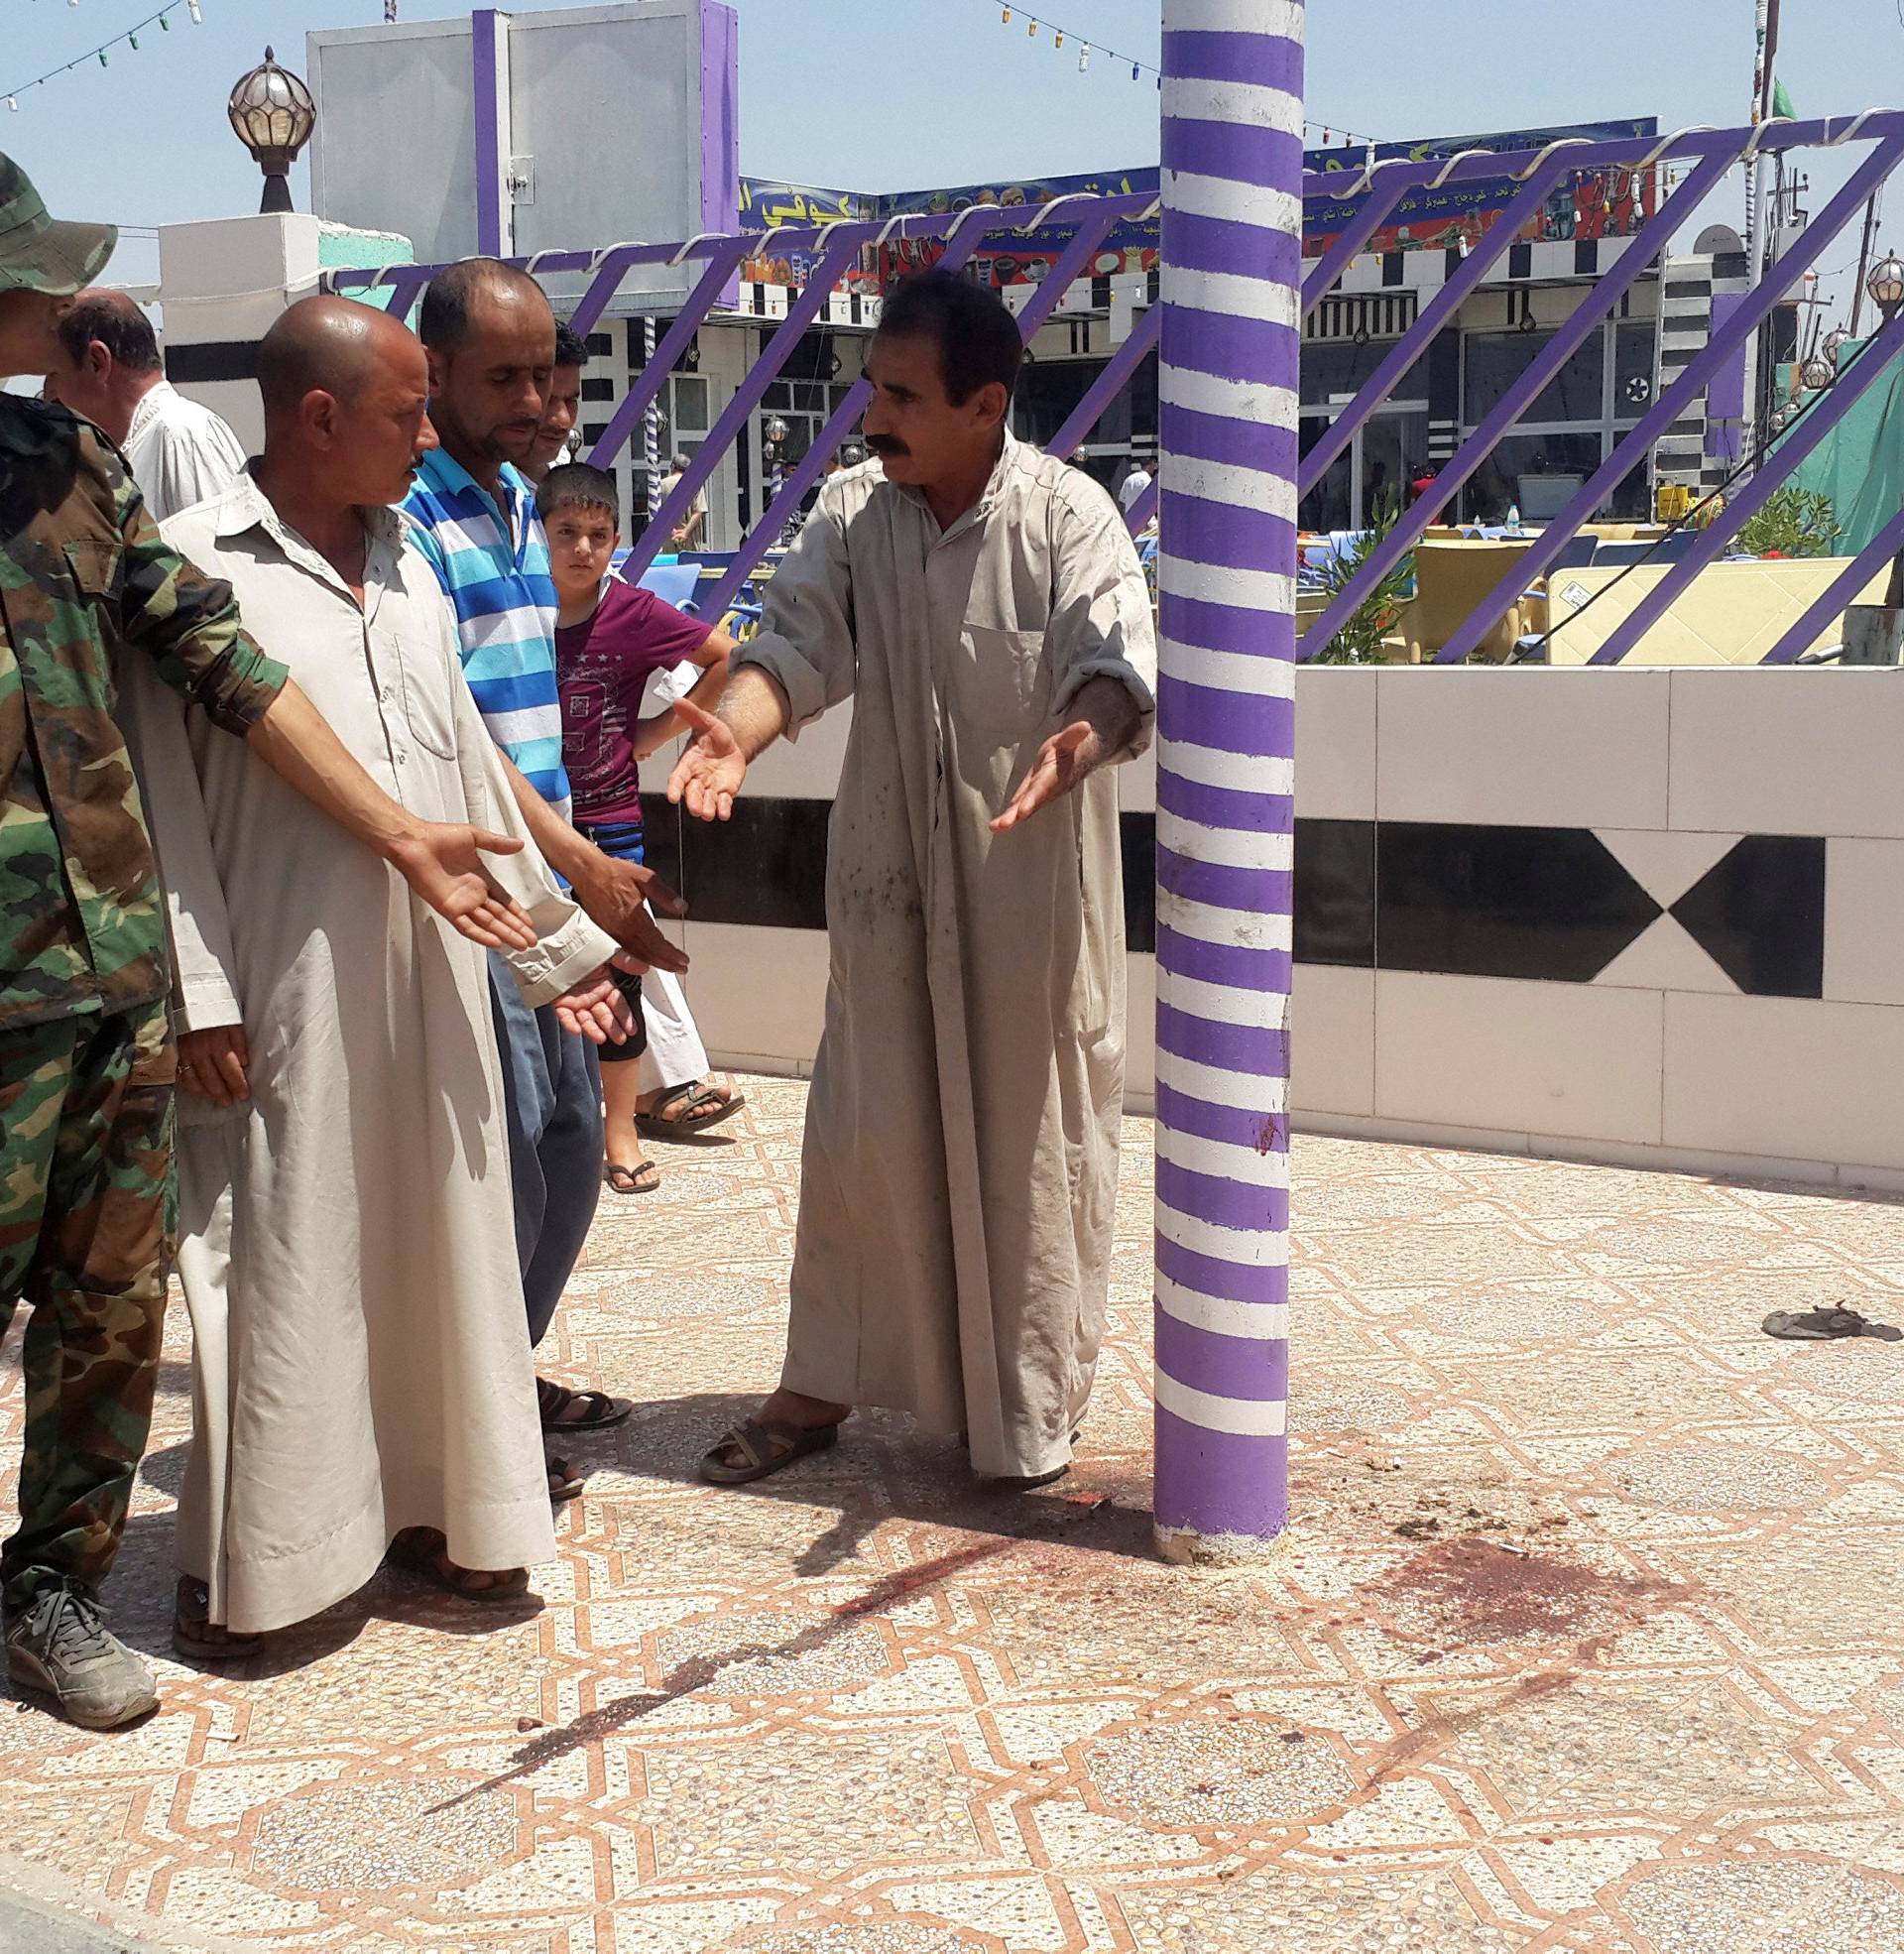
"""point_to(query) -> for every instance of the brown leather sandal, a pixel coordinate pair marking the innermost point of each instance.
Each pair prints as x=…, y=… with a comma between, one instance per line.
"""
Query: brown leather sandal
x=423, y=1550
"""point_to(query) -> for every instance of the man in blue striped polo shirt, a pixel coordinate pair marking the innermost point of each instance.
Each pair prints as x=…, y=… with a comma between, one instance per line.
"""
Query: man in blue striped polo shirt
x=491, y=340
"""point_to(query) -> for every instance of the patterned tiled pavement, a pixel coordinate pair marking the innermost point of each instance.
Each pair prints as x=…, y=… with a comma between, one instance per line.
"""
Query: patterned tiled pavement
x=1588, y=1634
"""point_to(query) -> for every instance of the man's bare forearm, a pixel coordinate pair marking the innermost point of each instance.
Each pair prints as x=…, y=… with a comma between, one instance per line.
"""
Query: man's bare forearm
x=295, y=741
x=1106, y=706
x=755, y=709
x=561, y=846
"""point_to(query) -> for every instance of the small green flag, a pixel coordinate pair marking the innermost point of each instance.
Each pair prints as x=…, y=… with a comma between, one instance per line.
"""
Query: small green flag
x=1782, y=102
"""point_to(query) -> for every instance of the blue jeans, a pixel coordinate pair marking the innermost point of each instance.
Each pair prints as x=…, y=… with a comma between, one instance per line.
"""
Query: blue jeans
x=553, y=1098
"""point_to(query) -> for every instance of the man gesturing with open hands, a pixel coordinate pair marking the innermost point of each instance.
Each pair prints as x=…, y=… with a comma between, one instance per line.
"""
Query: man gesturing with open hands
x=982, y=606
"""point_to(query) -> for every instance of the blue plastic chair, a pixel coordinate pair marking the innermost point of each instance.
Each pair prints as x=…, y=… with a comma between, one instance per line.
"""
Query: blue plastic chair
x=672, y=583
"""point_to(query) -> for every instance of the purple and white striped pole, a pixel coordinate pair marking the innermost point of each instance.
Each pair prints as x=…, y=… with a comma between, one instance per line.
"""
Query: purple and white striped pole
x=1233, y=98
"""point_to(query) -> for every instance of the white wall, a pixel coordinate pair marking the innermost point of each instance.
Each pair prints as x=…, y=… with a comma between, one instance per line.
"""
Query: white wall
x=1660, y=1058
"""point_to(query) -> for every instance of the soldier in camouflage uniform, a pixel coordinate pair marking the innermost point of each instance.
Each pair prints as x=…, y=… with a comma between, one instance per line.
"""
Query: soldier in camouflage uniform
x=86, y=1060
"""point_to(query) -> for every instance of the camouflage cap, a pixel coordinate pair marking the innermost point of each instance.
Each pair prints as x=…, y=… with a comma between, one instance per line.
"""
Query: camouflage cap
x=35, y=253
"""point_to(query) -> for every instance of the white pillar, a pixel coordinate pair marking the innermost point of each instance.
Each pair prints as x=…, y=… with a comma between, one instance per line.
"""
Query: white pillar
x=223, y=282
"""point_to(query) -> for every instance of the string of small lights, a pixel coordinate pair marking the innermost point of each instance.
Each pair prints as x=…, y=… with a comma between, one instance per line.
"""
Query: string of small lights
x=1036, y=23
x=127, y=37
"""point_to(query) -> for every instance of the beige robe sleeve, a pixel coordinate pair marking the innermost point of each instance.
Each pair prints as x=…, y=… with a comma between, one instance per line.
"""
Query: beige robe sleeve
x=1100, y=622
x=152, y=716
x=805, y=638
x=570, y=946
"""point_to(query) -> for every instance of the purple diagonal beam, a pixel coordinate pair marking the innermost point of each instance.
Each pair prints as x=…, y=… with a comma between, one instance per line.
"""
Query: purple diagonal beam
x=1842, y=591
x=1819, y=418
x=1495, y=245
x=1108, y=385
x=1587, y=318
x=746, y=397
x=1384, y=194
x=1674, y=402
x=1145, y=506
x=674, y=343
x=1231, y=341
x=1076, y=255
x=602, y=288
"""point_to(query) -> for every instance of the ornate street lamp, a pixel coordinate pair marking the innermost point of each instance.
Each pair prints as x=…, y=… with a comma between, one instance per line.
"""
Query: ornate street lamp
x=1886, y=287
x=1818, y=373
x=272, y=114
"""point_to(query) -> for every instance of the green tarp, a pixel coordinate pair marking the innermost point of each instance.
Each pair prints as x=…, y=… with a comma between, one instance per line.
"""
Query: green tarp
x=1861, y=463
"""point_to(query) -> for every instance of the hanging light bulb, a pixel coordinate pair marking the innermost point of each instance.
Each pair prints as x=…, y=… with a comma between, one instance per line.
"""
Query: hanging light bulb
x=1059, y=42
x=1133, y=70
x=103, y=63
x=12, y=104
x=1005, y=17
x=1032, y=30
x=133, y=42
x=197, y=19
x=1084, y=57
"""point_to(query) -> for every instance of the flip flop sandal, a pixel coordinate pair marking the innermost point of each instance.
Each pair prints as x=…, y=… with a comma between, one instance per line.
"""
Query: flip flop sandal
x=600, y=1410
x=692, y=1119
x=1815, y=1325
x=765, y=1449
x=423, y=1550
x=644, y=1179
x=564, y=1482
x=189, y=1637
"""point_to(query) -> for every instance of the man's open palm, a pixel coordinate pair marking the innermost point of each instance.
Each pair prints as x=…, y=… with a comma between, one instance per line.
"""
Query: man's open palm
x=444, y=863
x=709, y=774
x=1063, y=761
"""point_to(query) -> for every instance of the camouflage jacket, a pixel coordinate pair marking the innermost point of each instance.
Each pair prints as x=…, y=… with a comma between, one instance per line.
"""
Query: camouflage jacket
x=82, y=571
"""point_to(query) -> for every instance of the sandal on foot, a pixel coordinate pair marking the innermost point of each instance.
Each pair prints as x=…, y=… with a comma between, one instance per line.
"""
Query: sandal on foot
x=599, y=1410
x=698, y=1107
x=198, y=1638
x=423, y=1550
x=764, y=1448
x=644, y=1179
x=564, y=1482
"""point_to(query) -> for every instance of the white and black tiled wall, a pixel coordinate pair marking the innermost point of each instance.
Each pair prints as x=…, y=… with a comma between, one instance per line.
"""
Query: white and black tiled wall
x=1628, y=914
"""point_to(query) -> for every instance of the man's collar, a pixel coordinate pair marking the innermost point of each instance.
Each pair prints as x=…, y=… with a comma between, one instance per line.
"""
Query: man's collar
x=444, y=471
x=149, y=403
x=993, y=489
x=244, y=506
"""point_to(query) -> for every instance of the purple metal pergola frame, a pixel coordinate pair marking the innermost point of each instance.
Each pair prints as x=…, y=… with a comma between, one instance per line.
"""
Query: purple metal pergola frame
x=1381, y=186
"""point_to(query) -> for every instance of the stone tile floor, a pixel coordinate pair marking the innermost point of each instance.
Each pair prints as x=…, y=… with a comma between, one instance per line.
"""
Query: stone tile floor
x=1588, y=1634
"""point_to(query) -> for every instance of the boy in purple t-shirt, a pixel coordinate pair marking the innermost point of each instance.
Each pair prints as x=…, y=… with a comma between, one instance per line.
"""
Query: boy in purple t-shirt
x=611, y=638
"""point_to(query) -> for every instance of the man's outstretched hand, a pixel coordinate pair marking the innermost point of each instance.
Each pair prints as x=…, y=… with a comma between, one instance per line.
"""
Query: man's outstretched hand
x=442, y=861
x=709, y=774
x=595, y=1009
x=616, y=894
x=1063, y=761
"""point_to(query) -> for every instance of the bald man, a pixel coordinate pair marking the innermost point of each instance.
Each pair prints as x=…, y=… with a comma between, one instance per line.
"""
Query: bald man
x=363, y=1379
x=108, y=370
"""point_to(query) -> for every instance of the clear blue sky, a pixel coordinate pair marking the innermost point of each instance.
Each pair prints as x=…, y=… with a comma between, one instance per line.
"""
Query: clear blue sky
x=896, y=93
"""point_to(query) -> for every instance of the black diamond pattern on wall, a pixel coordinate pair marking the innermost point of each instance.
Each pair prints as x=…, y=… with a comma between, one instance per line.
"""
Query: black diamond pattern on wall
x=1759, y=914
x=1472, y=901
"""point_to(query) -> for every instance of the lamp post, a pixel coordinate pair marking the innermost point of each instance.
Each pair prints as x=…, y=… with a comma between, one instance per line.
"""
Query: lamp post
x=272, y=115
x=1886, y=287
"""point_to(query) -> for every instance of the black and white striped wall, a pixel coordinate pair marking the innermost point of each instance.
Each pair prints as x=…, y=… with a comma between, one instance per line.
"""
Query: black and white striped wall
x=1653, y=916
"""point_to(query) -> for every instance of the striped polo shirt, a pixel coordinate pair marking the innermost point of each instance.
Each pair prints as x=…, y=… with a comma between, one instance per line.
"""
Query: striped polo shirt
x=498, y=583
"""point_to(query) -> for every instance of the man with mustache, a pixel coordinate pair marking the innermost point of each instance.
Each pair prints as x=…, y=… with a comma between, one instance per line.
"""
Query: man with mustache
x=984, y=608
x=489, y=337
